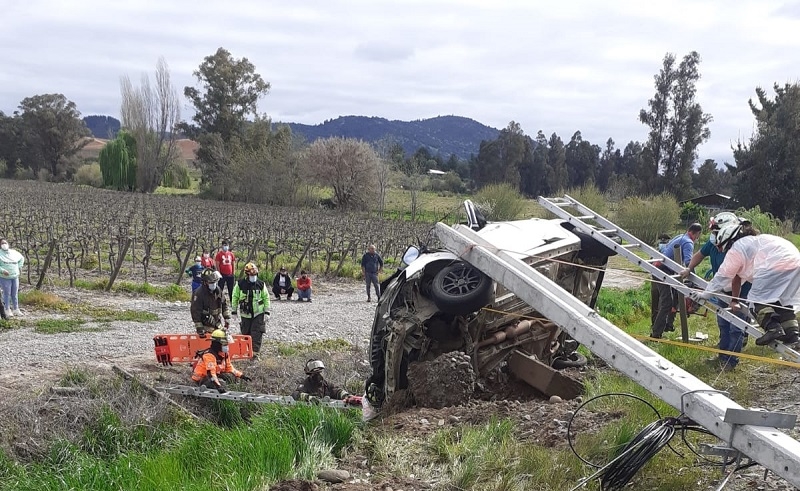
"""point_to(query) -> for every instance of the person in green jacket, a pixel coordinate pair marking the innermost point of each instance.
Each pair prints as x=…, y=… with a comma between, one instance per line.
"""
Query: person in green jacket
x=11, y=262
x=251, y=301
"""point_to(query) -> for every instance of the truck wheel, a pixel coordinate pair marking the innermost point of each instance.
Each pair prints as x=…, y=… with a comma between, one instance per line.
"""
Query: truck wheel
x=461, y=289
x=572, y=360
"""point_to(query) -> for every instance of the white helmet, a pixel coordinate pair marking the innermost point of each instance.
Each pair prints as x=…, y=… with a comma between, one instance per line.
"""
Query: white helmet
x=722, y=219
x=728, y=234
x=719, y=221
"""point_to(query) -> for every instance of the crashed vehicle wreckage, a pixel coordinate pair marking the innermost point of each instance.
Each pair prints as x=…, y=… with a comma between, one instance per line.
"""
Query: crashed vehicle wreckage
x=564, y=297
x=437, y=303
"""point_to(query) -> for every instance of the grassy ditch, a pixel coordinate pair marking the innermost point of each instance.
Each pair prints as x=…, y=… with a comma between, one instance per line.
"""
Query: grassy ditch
x=110, y=453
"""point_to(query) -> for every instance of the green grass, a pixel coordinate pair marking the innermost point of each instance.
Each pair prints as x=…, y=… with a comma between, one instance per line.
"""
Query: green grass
x=280, y=443
x=170, y=292
x=57, y=326
x=291, y=349
x=48, y=301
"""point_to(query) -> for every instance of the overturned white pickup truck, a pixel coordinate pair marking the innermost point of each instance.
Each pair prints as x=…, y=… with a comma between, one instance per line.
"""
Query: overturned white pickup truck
x=437, y=304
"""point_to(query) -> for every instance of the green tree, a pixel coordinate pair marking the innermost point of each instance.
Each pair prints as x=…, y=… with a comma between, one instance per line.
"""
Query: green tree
x=118, y=162
x=229, y=92
x=678, y=125
x=533, y=172
x=582, y=160
x=767, y=169
x=557, y=165
x=500, y=160
x=52, y=131
x=609, y=161
x=10, y=130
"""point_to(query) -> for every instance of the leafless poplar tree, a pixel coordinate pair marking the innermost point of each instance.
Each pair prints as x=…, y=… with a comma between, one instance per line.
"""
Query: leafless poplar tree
x=150, y=114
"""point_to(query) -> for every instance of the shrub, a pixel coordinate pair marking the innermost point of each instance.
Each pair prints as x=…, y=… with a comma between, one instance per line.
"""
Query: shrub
x=89, y=175
x=764, y=221
x=176, y=176
x=500, y=202
x=591, y=197
x=647, y=218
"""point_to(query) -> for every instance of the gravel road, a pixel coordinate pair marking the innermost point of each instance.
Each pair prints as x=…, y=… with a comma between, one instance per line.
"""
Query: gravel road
x=338, y=310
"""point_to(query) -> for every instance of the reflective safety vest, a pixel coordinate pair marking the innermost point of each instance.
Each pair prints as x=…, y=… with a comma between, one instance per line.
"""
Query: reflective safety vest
x=207, y=365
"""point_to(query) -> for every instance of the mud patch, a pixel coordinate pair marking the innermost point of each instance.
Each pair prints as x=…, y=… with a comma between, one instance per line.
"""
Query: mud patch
x=294, y=485
x=448, y=380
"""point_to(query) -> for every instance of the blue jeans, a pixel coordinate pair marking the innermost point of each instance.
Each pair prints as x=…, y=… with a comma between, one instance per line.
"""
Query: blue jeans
x=731, y=338
x=10, y=287
x=372, y=279
x=304, y=294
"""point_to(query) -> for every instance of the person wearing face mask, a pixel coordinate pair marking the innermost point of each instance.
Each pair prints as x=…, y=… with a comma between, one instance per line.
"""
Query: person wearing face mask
x=210, y=308
x=212, y=366
x=314, y=387
x=304, y=287
x=251, y=300
x=11, y=262
x=225, y=263
x=206, y=260
x=196, y=271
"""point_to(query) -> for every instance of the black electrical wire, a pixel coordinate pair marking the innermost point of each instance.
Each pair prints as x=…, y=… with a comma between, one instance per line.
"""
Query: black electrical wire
x=643, y=447
x=637, y=453
x=569, y=424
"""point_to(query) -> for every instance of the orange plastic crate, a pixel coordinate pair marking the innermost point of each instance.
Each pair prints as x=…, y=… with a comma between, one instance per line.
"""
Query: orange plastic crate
x=180, y=348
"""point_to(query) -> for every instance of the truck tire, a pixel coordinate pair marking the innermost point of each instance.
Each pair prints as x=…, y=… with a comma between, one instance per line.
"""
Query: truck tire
x=572, y=360
x=460, y=289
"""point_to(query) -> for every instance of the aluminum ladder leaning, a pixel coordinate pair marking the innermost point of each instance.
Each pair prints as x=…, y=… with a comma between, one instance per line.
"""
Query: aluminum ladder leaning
x=628, y=250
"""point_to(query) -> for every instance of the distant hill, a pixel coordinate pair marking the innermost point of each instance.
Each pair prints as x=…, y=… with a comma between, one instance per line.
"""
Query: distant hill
x=443, y=134
x=104, y=127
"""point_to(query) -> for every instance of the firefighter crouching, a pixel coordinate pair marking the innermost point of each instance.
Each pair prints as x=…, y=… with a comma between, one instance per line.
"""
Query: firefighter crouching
x=210, y=308
x=314, y=387
x=213, y=367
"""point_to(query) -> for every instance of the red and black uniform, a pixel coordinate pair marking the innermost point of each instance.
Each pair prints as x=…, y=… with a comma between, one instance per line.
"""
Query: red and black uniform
x=226, y=265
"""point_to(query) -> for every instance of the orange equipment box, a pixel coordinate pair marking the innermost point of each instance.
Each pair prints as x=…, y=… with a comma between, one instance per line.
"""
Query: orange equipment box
x=183, y=347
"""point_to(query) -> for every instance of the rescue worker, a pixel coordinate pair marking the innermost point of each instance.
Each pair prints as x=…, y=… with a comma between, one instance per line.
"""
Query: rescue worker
x=772, y=265
x=210, y=309
x=251, y=301
x=213, y=366
x=731, y=338
x=314, y=387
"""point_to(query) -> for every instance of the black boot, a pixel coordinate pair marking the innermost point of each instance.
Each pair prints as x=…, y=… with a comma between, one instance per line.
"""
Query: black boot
x=791, y=336
x=771, y=335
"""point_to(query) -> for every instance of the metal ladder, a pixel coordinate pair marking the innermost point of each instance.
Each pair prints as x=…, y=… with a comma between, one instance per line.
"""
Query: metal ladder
x=233, y=395
x=702, y=403
x=631, y=245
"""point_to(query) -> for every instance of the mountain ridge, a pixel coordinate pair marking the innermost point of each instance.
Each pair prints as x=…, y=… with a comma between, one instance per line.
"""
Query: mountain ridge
x=444, y=135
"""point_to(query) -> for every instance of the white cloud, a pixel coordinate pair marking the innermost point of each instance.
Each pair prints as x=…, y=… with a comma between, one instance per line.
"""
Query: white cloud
x=563, y=67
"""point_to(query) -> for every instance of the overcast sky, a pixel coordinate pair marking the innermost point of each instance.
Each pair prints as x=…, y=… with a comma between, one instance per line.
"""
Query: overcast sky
x=551, y=66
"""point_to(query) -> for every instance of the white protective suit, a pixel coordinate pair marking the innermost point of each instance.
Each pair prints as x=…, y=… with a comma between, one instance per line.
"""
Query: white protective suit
x=769, y=262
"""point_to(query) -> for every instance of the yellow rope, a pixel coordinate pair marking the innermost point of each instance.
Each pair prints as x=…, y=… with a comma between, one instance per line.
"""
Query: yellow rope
x=640, y=337
x=774, y=361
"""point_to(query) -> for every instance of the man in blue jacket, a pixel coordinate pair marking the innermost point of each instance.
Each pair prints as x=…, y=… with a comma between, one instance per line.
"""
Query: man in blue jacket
x=664, y=320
